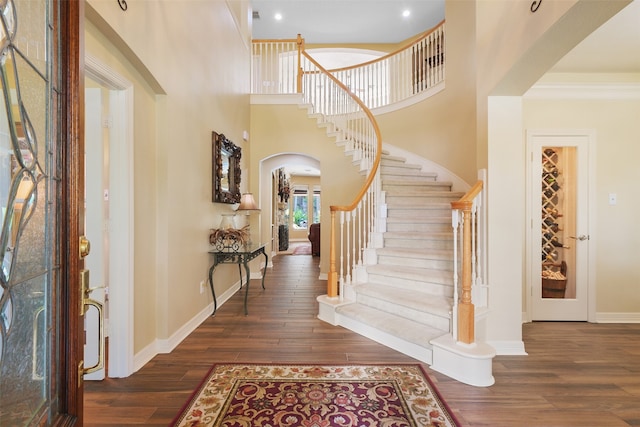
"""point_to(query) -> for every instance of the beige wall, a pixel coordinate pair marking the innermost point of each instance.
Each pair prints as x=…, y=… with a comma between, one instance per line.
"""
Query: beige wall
x=278, y=129
x=196, y=60
x=443, y=128
x=616, y=237
x=144, y=184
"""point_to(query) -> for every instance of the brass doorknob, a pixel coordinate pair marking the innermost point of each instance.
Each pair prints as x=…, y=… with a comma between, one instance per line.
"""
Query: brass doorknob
x=85, y=246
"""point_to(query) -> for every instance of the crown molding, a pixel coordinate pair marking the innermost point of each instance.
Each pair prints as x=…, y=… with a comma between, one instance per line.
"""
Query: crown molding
x=584, y=91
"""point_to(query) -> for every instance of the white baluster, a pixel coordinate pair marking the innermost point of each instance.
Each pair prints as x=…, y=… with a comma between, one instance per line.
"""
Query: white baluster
x=354, y=242
x=341, y=258
x=348, y=261
x=455, y=222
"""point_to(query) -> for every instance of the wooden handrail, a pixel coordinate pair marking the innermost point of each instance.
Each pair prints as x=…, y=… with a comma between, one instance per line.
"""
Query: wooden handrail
x=393, y=53
x=468, y=197
x=376, y=128
x=332, y=276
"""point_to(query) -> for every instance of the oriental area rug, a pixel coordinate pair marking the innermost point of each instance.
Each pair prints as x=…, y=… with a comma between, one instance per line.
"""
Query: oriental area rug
x=315, y=396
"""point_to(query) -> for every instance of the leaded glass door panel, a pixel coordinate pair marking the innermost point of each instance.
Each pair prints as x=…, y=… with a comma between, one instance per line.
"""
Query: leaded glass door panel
x=34, y=326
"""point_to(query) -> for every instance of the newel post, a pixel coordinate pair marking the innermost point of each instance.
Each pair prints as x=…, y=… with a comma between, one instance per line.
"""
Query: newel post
x=466, y=310
x=332, y=278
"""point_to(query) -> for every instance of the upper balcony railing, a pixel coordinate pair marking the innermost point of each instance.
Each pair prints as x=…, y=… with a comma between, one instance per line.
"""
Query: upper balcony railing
x=394, y=77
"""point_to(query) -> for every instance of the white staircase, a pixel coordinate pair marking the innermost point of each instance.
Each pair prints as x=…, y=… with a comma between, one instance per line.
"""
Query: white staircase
x=407, y=298
x=402, y=296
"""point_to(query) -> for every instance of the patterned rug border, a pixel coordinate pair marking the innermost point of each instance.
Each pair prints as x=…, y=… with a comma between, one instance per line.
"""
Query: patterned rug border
x=203, y=383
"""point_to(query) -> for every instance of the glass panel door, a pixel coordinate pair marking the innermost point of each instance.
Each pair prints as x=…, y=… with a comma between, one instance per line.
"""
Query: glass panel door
x=558, y=222
x=559, y=199
x=28, y=277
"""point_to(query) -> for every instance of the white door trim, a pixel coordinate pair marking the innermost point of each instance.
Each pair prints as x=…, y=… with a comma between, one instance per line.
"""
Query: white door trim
x=531, y=257
x=121, y=225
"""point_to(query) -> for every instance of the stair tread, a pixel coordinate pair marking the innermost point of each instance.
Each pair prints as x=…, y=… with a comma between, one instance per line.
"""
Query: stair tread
x=392, y=165
x=409, y=298
x=406, y=329
x=418, y=274
x=392, y=158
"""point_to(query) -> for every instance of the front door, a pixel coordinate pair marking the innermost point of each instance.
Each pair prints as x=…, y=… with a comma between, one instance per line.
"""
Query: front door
x=41, y=213
x=559, y=236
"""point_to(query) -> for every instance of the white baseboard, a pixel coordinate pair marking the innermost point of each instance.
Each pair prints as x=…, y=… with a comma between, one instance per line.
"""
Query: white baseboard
x=617, y=317
x=508, y=348
x=614, y=317
x=167, y=345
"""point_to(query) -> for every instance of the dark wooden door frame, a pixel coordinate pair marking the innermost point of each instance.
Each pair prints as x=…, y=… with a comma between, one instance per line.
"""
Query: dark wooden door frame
x=70, y=134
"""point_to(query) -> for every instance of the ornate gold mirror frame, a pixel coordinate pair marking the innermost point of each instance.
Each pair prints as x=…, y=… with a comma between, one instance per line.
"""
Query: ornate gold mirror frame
x=226, y=170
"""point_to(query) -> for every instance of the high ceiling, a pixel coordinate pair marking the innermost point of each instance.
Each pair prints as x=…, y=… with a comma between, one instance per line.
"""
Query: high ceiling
x=613, y=48
x=345, y=21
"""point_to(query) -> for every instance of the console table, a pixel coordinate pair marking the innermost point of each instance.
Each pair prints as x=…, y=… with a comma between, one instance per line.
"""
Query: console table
x=241, y=256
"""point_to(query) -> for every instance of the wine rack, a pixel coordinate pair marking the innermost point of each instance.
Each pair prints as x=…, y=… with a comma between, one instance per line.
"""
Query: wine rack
x=553, y=263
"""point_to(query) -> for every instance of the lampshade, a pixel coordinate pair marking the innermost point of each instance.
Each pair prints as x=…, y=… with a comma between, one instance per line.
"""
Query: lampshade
x=247, y=203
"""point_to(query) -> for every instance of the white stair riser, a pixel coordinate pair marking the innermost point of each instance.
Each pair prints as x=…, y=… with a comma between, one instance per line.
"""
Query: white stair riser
x=426, y=230
x=423, y=317
x=408, y=176
x=423, y=228
x=414, y=216
x=434, y=264
x=400, y=169
x=423, y=200
x=416, y=188
x=418, y=211
x=418, y=244
x=435, y=289
x=392, y=162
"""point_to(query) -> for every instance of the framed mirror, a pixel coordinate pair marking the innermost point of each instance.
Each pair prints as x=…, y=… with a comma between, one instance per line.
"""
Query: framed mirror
x=226, y=170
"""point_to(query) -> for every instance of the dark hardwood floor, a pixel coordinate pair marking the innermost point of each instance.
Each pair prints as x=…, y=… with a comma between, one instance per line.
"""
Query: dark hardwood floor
x=576, y=374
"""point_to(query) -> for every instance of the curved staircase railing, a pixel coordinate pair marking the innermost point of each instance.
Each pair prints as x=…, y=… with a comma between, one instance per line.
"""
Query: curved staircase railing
x=416, y=66
x=354, y=124
x=401, y=74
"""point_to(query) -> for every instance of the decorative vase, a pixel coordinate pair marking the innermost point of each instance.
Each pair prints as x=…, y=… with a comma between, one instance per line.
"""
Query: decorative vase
x=228, y=221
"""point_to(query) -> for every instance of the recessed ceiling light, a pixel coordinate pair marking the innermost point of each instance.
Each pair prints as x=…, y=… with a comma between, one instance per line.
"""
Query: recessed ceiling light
x=406, y=13
x=278, y=16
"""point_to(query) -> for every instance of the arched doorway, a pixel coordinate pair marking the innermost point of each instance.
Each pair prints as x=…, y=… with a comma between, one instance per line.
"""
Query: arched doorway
x=268, y=193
